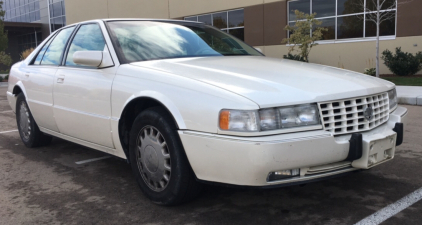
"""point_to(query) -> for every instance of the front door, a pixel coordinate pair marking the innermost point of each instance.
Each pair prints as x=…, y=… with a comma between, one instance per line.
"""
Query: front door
x=82, y=94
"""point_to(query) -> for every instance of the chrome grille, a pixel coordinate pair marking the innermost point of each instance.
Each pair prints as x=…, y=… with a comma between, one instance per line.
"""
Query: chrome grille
x=347, y=116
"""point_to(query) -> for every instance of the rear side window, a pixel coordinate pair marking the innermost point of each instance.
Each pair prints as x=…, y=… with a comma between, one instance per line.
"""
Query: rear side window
x=54, y=51
x=88, y=38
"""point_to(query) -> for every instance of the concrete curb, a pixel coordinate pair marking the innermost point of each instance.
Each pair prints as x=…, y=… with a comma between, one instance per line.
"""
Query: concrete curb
x=3, y=84
x=409, y=95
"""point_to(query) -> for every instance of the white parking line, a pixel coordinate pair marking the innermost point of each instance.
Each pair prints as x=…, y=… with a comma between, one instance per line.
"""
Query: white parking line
x=9, y=131
x=392, y=209
x=92, y=160
x=7, y=111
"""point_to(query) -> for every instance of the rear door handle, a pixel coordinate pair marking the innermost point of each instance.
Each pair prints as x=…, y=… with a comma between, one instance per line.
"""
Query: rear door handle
x=60, y=78
x=27, y=75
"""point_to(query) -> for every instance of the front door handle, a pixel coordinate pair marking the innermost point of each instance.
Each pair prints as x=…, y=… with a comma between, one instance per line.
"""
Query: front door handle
x=26, y=75
x=60, y=78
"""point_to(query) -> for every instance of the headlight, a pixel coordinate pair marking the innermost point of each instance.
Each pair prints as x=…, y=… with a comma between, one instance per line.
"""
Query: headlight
x=269, y=119
x=392, y=97
x=289, y=117
x=239, y=120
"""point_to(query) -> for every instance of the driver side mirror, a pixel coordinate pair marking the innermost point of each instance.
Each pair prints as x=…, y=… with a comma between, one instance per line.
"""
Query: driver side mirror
x=99, y=59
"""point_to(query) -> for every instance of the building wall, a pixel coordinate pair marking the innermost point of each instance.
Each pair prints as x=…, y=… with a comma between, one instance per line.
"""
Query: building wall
x=99, y=9
x=44, y=19
x=264, y=26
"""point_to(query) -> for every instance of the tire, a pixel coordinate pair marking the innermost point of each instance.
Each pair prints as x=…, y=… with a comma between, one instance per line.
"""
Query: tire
x=29, y=131
x=162, y=170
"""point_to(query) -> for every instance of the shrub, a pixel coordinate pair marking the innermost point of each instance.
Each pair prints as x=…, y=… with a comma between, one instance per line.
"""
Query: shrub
x=294, y=57
x=304, y=34
x=1, y=79
x=26, y=53
x=6, y=77
x=402, y=63
x=370, y=71
x=5, y=59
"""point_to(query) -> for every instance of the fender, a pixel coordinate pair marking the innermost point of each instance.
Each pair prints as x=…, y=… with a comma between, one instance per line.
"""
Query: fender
x=11, y=97
x=20, y=85
x=160, y=98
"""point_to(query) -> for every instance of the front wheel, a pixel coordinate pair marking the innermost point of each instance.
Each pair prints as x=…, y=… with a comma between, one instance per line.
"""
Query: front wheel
x=158, y=159
x=28, y=129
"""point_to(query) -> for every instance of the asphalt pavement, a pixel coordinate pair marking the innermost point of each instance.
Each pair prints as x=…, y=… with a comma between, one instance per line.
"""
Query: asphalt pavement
x=47, y=186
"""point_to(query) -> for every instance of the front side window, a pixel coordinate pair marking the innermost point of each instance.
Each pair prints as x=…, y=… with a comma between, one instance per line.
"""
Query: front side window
x=54, y=51
x=345, y=19
x=146, y=40
x=88, y=38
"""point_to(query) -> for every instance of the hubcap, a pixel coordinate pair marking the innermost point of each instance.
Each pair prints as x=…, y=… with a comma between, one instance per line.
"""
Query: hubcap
x=153, y=158
x=24, y=121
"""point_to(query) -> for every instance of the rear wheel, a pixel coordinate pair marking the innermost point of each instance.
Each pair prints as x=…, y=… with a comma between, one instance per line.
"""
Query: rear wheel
x=158, y=159
x=28, y=129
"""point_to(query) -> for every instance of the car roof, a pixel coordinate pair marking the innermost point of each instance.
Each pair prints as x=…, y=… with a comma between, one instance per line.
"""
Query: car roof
x=132, y=19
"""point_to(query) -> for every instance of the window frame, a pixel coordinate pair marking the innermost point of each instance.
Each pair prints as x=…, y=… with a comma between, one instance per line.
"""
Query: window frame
x=71, y=38
x=336, y=16
x=212, y=19
x=52, y=37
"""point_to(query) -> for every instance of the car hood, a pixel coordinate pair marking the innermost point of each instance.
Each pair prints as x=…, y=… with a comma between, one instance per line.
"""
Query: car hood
x=273, y=82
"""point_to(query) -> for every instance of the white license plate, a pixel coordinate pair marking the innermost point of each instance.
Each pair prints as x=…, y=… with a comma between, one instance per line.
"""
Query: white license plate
x=376, y=151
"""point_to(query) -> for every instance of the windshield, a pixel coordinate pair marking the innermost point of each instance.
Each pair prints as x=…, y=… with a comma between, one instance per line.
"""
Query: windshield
x=148, y=40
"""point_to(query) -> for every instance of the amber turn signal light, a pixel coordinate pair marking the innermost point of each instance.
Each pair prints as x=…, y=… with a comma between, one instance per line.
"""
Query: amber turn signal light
x=224, y=119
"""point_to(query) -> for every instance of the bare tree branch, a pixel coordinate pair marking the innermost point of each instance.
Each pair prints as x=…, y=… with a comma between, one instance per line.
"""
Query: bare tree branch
x=377, y=11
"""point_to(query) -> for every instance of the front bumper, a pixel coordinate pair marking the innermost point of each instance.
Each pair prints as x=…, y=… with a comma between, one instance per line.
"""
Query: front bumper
x=247, y=161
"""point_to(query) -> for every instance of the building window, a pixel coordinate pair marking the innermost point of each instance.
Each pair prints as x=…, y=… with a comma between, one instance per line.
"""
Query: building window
x=57, y=14
x=344, y=19
x=30, y=40
x=231, y=21
x=21, y=11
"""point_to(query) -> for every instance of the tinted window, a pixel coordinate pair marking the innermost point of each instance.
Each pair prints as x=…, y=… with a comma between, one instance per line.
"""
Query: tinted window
x=324, y=8
x=330, y=24
x=55, y=50
x=205, y=19
x=193, y=18
x=236, y=18
x=88, y=38
x=302, y=6
x=220, y=20
x=387, y=27
x=349, y=27
x=349, y=7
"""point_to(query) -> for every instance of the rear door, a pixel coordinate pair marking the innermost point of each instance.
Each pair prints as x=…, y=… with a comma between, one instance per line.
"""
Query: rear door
x=82, y=94
x=39, y=78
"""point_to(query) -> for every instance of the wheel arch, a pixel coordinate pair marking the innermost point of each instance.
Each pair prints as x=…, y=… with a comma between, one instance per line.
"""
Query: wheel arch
x=13, y=94
x=19, y=88
x=138, y=104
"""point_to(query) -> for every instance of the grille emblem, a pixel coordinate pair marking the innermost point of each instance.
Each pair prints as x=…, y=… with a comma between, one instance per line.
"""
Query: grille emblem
x=368, y=113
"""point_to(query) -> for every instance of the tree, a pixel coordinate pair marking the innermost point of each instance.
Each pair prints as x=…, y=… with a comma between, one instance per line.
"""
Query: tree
x=5, y=59
x=380, y=13
x=3, y=34
x=304, y=34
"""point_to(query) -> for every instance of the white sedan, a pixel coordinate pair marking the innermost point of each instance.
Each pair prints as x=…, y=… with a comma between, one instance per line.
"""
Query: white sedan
x=187, y=104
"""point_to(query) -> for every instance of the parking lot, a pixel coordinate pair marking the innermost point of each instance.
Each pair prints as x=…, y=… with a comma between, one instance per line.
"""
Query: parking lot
x=47, y=186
